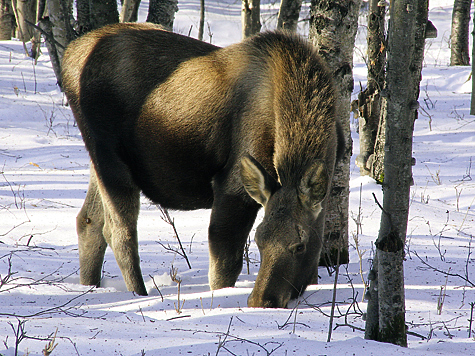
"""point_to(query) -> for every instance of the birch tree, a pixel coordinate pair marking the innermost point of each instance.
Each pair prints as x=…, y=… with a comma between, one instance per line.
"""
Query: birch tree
x=250, y=17
x=472, y=101
x=24, y=10
x=60, y=12
x=129, y=10
x=162, y=12
x=333, y=26
x=386, y=305
x=459, y=55
x=7, y=20
x=369, y=100
x=289, y=13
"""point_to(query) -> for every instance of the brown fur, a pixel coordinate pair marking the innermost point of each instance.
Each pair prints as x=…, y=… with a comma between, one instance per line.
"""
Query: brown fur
x=175, y=117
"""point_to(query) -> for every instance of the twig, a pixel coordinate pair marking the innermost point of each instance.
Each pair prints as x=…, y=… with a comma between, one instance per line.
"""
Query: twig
x=443, y=272
x=227, y=335
x=47, y=35
x=287, y=322
x=141, y=313
x=470, y=321
x=442, y=294
x=178, y=317
x=177, y=280
x=56, y=309
x=166, y=217
x=221, y=343
x=156, y=287
x=337, y=268
x=51, y=345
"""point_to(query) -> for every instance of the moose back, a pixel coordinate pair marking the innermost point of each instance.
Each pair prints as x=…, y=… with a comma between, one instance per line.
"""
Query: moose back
x=195, y=126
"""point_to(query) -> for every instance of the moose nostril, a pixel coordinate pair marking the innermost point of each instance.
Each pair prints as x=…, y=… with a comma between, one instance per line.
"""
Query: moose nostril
x=271, y=303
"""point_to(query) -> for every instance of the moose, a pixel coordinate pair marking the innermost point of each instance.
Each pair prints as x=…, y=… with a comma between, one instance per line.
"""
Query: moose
x=196, y=126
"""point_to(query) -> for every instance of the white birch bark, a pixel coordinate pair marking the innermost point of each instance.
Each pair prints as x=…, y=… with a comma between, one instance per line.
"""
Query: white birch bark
x=333, y=26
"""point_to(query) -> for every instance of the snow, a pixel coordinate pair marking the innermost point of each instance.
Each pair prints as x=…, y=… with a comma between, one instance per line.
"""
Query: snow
x=43, y=182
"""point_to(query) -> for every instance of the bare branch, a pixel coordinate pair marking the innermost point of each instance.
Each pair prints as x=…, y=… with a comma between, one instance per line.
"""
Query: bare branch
x=443, y=272
x=166, y=217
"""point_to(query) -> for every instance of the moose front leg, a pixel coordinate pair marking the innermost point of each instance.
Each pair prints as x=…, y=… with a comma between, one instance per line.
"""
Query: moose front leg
x=231, y=222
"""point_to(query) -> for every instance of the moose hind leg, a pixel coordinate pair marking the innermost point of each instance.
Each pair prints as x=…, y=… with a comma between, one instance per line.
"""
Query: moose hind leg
x=121, y=210
x=231, y=222
x=91, y=241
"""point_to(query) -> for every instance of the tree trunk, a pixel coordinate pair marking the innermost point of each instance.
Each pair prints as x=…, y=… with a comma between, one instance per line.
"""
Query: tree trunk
x=250, y=17
x=369, y=100
x=202, y=20
x=25, y=10
x=289, y=13
x=36, y=39
x=472, y=101
x=7, y=20
x=333, y=26
x=46, y=26
x=129, y=11
x=84, y=22
x=408, y=20
x=162, y=12
x=104, y=12
x=93, y=14
x=60, y=12
x=459, y=55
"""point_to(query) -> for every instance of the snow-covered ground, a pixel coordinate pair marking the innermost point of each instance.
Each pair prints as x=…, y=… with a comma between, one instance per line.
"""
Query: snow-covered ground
x=44, y=178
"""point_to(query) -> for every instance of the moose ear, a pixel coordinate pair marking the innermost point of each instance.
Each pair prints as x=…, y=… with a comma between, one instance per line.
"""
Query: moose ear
x=259, y=184
x=314, y=186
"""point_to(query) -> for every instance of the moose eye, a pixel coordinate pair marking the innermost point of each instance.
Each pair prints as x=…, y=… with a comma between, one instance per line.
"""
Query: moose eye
x=297, y=248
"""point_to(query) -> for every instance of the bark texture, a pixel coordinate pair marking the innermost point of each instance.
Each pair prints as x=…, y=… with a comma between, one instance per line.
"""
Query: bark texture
x=472, y=101
x=92, y=14
x=369, y=100
x=60, y=13
x=7, y=20
x=408, y=20
x=202, y=20
x=333, y=26
x=459, y=55
x=25, y=10
x=162, y=12
x=289, y=13
x=46, y=26
x=129, y=11
x=250, y=17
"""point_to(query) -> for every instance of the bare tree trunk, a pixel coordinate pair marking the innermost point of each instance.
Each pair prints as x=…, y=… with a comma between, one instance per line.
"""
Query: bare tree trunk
x=7, y=20
x=408, y=20
x=459, y=55
x=250, y=17
x=83, y=18
x=104, y=12
x=36, y=39
x=162, y=12
x=25, y=10
x=472, y=101
x=333, y=26
x=46, y=26
x=289, y=13
x=202, y=20
x=129, y=11
x=369, y=100
x=92, y=14
x=60, y=12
